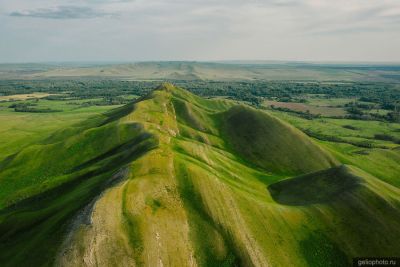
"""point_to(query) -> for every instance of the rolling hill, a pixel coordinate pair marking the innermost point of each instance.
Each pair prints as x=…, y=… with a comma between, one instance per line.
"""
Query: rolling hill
x=177, y=180
x=210, y=71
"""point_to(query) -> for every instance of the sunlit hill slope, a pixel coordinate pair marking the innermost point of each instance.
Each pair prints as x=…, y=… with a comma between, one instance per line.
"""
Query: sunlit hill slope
x=177, y=180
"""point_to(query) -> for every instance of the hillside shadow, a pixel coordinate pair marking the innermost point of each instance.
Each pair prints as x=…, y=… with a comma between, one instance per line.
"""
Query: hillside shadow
x=315, y=188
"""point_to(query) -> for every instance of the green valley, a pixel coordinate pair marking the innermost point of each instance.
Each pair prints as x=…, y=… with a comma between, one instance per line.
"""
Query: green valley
x=169, y=178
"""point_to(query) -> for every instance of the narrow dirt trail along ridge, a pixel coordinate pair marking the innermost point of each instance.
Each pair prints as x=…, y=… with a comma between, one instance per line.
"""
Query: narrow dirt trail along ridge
x=177, y=180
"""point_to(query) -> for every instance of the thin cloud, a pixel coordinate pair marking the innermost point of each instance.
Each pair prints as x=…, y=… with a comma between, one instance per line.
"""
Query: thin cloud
x=62, y=12
x=337, y=20
x=200, y=29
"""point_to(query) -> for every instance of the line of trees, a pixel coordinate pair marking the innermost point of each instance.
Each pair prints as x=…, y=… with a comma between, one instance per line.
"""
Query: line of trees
x=371, y=95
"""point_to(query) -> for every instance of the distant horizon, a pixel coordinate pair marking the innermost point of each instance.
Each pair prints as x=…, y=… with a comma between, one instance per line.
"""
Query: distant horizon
x=227, y=61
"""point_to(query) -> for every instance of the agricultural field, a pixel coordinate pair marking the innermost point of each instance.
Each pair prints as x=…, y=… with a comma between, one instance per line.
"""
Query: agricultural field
x=121, y=172
x=315, y=109
x=23, y=96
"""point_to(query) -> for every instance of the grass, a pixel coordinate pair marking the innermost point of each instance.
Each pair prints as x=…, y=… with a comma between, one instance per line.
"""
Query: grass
x=22, y=129
x=382, y=163
x=380, y=159
x=23, y=96
x=365, y=130
x=211, y=246
x=265, y=140
x=318, y=187
x=62, y=178
x=213, y=166
x=323, y=101
x=319, y=251
x=206, y=182
x=327, y=111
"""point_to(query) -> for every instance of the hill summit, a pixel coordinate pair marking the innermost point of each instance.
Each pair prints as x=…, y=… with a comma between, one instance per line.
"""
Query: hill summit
x=177, y=180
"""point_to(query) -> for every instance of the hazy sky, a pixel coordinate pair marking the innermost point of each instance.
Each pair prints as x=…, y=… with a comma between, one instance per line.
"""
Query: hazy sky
x=137, y=30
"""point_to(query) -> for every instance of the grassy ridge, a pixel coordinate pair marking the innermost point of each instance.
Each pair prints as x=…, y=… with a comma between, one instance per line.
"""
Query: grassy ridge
x=60, y=178
x=208, y=183
x=302, y=233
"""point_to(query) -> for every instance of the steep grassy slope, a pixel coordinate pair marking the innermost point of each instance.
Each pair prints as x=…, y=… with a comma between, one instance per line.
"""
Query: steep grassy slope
x=381, y=160
x=227, y=182
x=177, y=180
x=44, y=185
x=272, y=144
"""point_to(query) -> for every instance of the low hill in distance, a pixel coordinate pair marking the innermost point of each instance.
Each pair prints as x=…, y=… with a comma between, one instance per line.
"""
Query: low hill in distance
x=215, y=71
x=177, y=180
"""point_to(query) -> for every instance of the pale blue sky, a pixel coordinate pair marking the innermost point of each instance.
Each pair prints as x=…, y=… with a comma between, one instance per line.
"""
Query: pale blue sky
x=138, y=30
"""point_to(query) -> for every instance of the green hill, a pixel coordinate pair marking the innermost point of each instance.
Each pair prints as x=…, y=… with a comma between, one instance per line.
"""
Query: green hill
x=177, y=180
x=272, y=144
